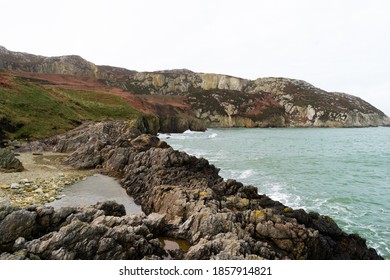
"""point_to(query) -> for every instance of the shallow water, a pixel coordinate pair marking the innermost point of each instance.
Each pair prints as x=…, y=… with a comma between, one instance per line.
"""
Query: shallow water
x=174, y=244
x=343, y=173
x=93, y=189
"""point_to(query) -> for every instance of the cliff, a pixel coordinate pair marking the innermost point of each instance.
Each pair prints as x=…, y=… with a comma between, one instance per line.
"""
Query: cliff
x=224, y=101
x=181, y=99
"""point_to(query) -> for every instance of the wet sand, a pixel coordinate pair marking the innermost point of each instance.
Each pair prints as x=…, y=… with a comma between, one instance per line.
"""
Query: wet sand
x=43, y=166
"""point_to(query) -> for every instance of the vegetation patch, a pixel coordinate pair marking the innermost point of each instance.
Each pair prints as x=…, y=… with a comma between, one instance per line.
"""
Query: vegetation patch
x=34, y=111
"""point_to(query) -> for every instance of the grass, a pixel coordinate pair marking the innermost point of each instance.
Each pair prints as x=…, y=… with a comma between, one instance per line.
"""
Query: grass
x=38, y=112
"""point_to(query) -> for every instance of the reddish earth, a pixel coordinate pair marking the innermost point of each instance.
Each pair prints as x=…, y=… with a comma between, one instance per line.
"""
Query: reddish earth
x=175, y=101
x=5, y=80
x=145, y=103
x=261, y=105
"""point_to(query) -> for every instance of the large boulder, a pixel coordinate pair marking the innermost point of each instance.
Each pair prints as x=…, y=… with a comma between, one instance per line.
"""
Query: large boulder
x=8, y=161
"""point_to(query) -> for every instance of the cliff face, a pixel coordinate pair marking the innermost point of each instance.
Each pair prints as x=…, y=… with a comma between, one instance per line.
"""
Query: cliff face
x=215, y=100
x=70, y=65
x=224, y=101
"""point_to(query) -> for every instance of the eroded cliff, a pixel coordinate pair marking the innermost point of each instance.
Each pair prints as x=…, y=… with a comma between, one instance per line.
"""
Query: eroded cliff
x=184, y=100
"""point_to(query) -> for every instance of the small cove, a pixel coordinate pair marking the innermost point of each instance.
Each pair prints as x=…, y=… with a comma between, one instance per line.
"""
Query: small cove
x=93, y=189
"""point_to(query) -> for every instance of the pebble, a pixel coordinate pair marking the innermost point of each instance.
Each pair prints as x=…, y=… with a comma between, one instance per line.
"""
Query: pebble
x=15, y=186
x=5, y=201
x=37, y=191
x=25, y=181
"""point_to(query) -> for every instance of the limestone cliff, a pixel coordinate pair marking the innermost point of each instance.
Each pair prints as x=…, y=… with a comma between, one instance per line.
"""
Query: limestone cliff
x=225, y=101
x=71, y=64
x=214, y=100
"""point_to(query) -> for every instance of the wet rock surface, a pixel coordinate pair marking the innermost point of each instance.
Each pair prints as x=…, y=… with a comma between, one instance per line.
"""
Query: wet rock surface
x=184, y=198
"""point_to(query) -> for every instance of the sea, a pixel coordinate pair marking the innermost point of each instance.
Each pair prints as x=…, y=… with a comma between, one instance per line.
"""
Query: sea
x=340, y=172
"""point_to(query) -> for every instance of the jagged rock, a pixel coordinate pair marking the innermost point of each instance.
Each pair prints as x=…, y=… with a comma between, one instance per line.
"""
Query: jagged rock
x=15, y=223
x=184, y=198
x=111, y=208
x=8, y=161
x=78, y=233
x=144, y=142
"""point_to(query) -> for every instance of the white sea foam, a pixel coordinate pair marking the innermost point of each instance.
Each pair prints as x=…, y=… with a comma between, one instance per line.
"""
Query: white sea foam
x=163, y=135
x=212, y=136
x=277, y=192
x=188, y=131
x=245, y=174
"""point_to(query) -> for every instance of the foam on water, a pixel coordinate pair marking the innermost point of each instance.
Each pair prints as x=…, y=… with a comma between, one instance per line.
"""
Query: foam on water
x=278, y=193
x=245, y=174
x=173, y=136
x=188, y=131
x=211, y=136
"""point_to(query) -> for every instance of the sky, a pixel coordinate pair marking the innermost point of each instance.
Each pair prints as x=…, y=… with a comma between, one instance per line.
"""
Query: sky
x=340, y=45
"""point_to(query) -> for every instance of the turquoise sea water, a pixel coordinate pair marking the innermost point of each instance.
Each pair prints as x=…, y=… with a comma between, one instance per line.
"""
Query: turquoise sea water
x=343, y=173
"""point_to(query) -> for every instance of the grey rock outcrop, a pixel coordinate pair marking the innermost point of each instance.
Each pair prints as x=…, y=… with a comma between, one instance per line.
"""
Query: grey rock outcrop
x=227, y=220
x=96, y=232
x=185, y=199
x=71, y=64
x=8, y=161
x=225, y=101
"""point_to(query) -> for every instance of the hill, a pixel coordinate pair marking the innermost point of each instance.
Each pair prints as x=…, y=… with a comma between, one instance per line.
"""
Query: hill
x=41, y=95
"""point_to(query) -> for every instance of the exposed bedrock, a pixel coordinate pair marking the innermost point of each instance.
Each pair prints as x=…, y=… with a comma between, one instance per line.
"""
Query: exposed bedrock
x=102, y=231
x=183, y=99
x=184, y=195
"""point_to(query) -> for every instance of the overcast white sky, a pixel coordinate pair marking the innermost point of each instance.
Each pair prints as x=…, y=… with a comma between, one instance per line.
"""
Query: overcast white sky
x=341, y=45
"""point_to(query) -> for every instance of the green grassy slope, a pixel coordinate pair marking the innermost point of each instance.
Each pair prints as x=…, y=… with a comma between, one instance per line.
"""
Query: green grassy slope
x=28, y=110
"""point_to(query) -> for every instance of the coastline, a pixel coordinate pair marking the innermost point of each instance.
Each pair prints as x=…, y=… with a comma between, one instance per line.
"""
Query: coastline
x=183, y=197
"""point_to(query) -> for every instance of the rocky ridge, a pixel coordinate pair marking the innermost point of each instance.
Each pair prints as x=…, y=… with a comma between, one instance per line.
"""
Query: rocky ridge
x=183, y=197
x=214, y=100
x=102, y=231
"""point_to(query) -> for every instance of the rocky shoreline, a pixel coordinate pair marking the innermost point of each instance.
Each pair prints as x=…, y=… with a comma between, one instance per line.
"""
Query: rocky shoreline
x=183, y=198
